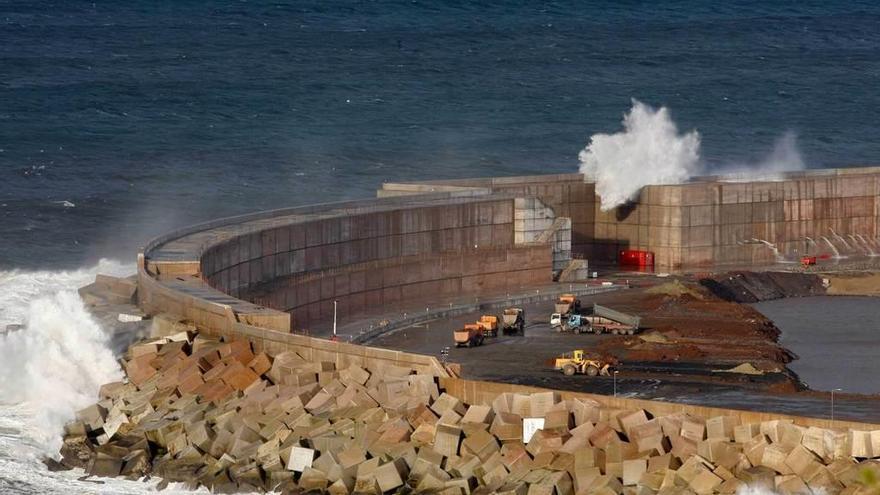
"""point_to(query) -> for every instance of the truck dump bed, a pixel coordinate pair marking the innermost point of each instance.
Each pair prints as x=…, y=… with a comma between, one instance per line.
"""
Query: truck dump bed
x=617, y=316
x=510, y=316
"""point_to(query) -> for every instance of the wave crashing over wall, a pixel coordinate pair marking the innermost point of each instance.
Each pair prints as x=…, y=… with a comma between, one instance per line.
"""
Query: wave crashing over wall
x=650, y=150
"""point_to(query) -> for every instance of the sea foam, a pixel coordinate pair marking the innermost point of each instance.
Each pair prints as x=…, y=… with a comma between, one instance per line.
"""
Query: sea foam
x=55, y=364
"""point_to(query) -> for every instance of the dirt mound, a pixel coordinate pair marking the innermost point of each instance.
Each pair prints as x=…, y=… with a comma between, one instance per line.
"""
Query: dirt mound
x=743, y=369
x=854, y=284
x=655, y=337
x=750, y=287
x=676, y=288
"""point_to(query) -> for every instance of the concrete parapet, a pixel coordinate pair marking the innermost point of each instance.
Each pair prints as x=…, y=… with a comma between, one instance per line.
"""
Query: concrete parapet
x=482, y=393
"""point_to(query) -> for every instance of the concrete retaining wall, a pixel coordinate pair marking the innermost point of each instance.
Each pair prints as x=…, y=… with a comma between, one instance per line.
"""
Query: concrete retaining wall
x=367, y=260
x=366, y=287
x=710, y=221
x=483, y=393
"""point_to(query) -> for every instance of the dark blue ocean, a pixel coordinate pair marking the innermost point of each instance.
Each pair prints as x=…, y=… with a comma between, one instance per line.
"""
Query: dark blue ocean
x=119, y=120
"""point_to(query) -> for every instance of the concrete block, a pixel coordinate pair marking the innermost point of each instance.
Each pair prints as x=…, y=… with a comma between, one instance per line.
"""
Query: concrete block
x=744, y=433
x=391, y=475
x=693, y=428
x=238, y=376
x=633, y=471
x=705, y=482
x=774, y=458
x=721, y=427
x=300, y=459
x=542, y=402
x=446, y=440
x=478, y=414
x=446, y=403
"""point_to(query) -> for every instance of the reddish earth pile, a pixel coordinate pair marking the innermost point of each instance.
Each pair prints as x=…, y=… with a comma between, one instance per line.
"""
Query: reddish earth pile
x=695, y=327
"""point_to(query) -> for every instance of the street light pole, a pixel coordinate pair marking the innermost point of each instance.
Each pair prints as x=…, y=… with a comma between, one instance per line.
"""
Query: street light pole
x=832, y=404
x=334, y=319
x=615, y=382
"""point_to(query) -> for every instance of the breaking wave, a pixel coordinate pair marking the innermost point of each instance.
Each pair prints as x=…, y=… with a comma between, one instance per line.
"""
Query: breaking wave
x=51, y=367
x=651, y=150
x=55, y=365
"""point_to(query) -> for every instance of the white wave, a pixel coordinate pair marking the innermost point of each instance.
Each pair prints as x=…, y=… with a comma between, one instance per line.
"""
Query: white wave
x=55, y=365
x=51, y=368
x=19, y=287
x=649, y=150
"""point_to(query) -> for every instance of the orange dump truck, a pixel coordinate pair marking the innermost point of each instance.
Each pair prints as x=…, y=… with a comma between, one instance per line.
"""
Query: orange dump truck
x=567, y=304
x=469, y=336
x=489, y=323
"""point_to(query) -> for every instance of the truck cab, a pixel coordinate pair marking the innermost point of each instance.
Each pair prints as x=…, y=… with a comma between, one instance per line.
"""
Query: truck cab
x=575, y=323
x=555, y=320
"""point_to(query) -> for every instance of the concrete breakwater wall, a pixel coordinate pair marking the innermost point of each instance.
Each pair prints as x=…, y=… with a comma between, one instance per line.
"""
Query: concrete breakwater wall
x=358, y=255
x=708, y=221
x=260, y=276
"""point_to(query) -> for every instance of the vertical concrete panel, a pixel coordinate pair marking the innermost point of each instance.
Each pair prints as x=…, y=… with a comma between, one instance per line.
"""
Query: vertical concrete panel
x=330, y=230
x=282, y=239
x=357, y=302
x=267, y=242
x=314, y=233
x=282, y=263
x=327, y=287
x=297, y=261
x=313, y=258
x=297, y=234
x=391, y=294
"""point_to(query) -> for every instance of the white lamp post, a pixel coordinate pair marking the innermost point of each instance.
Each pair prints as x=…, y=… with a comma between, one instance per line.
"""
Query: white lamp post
x=615, y=382
x=832, y=404
x=334, y=319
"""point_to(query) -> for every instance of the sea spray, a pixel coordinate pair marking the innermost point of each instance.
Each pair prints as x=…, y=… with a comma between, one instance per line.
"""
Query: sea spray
x=55, y=364
x=649, y=150
x=784, y=157
x=61, y=336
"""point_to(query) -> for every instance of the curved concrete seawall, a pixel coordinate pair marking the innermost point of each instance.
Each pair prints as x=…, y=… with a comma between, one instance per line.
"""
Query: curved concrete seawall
x=708, y=221
x=264, y=276
x=361, y=255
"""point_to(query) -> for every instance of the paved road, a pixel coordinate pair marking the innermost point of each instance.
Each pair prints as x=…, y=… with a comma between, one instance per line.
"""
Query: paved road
x=526, y=360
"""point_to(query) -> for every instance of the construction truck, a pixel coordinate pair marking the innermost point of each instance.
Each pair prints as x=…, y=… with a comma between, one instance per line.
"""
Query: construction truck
x=489, y=323
x=513, y=321
x=575, y=323
x=607, y=320
x=575, y=362
x=471, y=335
x=567, y=304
